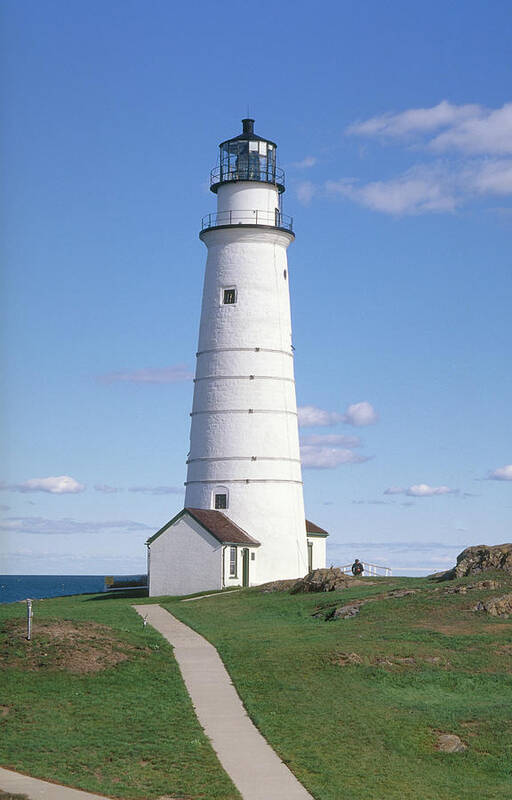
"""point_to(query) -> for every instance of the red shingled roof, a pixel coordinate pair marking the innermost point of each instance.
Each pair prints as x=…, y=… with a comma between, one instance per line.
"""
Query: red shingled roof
x=220, y=526
x=216, y=523
x=312, y=528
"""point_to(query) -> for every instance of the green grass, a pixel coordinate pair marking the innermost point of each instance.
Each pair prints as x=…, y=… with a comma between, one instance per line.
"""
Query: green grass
x=364, y=731
x=369, y=730
x=127, y=731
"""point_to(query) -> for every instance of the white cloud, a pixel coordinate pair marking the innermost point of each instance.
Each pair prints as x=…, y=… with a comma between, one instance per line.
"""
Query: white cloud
x=360, y=414
x=42, y=525
x=481, y=138
x=58, y=485
x=333, y=439
x=306, y=190
x=357, y=414
x=313, y=417
x=492, y=177
x=306, y=163
x=415, y=120
x=157, y=489
x=104, y=487
x=422, y=189
x=470, y=128
x=319, y=457
x=501, y=474
x=421, y=490
x=175, y=374
x=487, y=132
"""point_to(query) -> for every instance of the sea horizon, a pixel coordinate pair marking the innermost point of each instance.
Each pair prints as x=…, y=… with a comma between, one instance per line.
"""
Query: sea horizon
x=18, y=587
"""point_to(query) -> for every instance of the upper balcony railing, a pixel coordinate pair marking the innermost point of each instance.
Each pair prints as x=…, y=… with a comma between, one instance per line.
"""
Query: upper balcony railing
x=264, y=173
x=274, y=219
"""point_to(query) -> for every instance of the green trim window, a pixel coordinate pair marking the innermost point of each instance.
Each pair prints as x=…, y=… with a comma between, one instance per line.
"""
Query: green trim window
x=229, y=297
x=232, y=562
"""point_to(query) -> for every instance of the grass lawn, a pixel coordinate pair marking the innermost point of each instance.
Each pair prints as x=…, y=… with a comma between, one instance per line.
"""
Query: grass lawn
x=354, y=706
x=96, y=702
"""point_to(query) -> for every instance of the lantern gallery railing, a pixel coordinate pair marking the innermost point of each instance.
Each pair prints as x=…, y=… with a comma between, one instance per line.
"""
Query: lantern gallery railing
x=250, y=217
x=249, y=171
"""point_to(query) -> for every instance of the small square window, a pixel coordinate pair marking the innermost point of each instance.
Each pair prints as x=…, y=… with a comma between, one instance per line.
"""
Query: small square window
x=229, y=297
x=221, y=501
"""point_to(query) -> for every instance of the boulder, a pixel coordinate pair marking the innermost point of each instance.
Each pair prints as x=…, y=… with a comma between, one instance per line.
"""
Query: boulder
x=470, y=587
x=477, y=559
x=323, y=580
x=450, y=743
x=496, y=606
x=344, y=612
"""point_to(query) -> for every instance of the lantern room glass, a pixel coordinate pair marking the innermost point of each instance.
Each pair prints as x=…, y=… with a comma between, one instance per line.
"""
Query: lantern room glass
x=248, y=160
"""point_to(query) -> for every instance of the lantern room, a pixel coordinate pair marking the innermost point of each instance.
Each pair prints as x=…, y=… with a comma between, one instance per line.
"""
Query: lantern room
x=247, y=157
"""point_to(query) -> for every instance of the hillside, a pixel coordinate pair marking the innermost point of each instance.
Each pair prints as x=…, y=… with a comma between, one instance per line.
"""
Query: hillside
x=354, y=705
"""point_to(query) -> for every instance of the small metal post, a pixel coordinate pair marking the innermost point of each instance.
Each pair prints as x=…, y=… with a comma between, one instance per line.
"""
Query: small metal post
x=29, y=619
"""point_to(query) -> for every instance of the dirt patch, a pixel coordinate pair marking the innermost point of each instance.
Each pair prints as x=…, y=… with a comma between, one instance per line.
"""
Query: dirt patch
x=76, y=647
x=389, y=660
x=346, y=659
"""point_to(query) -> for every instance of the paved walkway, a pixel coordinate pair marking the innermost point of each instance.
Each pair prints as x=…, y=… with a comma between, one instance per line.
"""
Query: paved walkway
x=41, y=790
x=255, y=769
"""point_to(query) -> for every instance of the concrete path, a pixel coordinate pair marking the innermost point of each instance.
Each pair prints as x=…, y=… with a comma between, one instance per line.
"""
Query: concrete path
x=41, y=790
x=255, y=769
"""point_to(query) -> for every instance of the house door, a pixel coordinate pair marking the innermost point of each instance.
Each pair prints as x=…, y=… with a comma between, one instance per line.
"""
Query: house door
x=310, y=556
x=245, y=567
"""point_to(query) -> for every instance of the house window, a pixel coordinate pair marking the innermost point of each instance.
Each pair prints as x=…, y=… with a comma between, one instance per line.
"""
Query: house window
x=232, y=562
x=229, y=297
x=221, y=501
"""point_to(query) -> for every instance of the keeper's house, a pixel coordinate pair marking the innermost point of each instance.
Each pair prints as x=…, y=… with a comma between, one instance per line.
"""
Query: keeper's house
x=203, y=550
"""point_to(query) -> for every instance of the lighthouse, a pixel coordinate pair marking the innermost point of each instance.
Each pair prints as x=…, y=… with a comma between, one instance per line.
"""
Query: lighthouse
x=243, y=522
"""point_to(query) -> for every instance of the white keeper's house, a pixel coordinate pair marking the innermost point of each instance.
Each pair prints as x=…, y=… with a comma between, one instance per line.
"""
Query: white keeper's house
x=243, y=521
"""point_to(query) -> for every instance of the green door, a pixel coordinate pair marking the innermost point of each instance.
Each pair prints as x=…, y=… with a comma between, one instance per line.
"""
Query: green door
x=245, y=567
x=310, y=556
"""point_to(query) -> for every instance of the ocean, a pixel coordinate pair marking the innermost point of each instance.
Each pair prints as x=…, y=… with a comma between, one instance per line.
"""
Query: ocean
x=20, y=587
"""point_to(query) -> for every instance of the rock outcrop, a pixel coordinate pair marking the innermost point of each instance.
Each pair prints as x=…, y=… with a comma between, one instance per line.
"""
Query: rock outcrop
x=450, y=743
x=477, y=559
x=323, y=580
x=496, y=606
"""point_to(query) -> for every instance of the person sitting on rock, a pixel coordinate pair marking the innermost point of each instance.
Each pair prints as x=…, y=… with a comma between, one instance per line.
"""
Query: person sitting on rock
x=357, y=568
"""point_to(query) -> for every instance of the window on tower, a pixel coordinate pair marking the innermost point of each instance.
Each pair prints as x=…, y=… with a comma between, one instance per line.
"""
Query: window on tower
x=221, y=501
x=229, y=297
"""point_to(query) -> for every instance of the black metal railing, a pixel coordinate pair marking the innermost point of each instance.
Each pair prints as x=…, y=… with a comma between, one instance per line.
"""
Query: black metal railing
x=275, y=219
x=224, y=173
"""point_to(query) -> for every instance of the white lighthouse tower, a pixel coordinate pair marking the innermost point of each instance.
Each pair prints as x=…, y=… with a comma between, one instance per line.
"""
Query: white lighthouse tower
x=244, y=472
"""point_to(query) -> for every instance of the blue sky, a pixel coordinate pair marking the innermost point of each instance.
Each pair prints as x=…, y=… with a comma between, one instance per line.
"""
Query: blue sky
x=394, y=126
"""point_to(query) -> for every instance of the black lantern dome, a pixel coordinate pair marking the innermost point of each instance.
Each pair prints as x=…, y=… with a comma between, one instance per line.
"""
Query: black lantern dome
x=247, y=157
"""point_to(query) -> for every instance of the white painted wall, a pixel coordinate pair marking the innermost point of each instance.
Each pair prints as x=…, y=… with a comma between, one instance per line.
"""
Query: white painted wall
x=184, y=559
x=236, y=580
x=319, y=551
x=244, y=431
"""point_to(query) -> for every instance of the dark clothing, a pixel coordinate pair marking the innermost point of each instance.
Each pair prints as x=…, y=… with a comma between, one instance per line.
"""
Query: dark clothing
x=357, y=568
